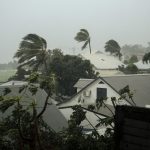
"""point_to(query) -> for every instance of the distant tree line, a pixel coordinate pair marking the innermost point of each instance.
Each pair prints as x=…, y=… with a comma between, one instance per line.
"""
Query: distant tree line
x=10, y=65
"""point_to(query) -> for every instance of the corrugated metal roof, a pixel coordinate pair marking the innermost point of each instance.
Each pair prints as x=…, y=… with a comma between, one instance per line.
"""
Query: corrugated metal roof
x=13, y=82
x=102, y=60
x=139, y=84
x=53, y=117
x=142, y=65
x=81, y=83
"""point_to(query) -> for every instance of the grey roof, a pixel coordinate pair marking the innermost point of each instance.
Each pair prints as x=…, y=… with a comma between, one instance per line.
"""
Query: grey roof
x=81, y=83
x=139, y=84
x=13, y=82
x=52, y=116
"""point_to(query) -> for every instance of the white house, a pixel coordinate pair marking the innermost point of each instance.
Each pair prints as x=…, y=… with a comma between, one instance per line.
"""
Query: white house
x=88, y=90
x=52, y=116
x=104, y=63
x=142, y=66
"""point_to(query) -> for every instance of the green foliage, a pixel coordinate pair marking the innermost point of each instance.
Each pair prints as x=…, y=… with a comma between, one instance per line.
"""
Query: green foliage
x=24, y=124
x=33, y=89
x=105, y=121
x=7, y=103
x=33, y=78
x=74, y=137
x=11, y=136
x=130, y=69
x=100, y=102
x=78, y=115
x=133, y=59
x=126, y=62
x=65, y=69
x=6, y=91
x=26, y=130
x=68, y=69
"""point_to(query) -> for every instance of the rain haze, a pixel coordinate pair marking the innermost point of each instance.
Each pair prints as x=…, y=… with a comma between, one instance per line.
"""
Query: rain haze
x=58, y=21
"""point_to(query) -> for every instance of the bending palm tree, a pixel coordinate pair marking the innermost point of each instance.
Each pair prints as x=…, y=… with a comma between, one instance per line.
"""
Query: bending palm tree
x=146, y=58
x=32, y=52
x=83, y=36
x=113, y=47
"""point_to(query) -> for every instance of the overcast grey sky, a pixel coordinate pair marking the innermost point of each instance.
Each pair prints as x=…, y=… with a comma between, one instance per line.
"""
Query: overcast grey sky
x=58, y=21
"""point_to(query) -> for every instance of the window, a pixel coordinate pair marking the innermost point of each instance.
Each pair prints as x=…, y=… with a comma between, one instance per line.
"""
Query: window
x=101, y=93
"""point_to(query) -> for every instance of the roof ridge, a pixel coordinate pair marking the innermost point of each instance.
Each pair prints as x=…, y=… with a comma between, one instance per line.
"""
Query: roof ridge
x=127, y=75
x=85, y=79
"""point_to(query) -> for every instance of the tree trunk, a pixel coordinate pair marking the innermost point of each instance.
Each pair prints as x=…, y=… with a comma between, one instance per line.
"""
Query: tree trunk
x=90, y=45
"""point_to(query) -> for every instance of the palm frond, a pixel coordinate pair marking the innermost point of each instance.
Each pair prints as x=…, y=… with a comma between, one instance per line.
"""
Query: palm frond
x=85, y=31
x=83, y=36
x=27, y=63
x=21, y=52
x=25, y=58
x=36, y=40
x=80, y=37
x=44, y=43
x=32, y=51
x=28, y=45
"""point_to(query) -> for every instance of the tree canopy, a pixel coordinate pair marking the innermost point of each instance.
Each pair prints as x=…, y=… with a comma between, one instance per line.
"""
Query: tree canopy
x=68, y=69
x=133, y=59
x=129, y=69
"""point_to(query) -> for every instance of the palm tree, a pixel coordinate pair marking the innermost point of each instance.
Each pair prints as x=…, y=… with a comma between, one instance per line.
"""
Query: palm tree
x=146, y=58
x=113, y=47
x=83, y=36
x=32, y=52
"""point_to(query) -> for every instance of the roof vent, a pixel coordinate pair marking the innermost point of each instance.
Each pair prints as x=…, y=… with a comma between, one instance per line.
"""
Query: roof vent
x=101, y=82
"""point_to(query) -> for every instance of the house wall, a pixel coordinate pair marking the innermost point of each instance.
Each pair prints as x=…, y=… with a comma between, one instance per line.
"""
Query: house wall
x=87, y=100
x=81, y=99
